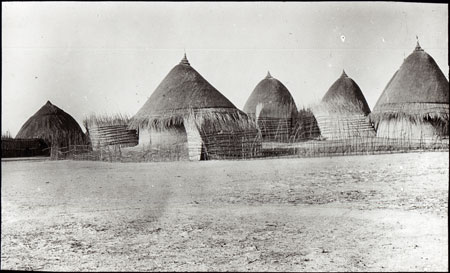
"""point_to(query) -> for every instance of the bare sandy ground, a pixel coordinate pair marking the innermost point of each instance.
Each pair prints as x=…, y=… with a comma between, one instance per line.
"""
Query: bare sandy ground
x=354, y=213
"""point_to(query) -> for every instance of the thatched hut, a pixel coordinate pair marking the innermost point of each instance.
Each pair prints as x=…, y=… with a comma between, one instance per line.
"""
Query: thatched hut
x=415, y=102
x=343, y=111
x=56, y=127
x=110, y=130
x=273, y=108
x=186, y=112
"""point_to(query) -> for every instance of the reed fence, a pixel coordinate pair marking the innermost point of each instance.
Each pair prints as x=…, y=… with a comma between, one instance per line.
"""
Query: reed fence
x=275, y=129
x=353, y=146
x=341, y=126
x=16, y=147
x=236, y=145
x=310, y=148
x=116, y=153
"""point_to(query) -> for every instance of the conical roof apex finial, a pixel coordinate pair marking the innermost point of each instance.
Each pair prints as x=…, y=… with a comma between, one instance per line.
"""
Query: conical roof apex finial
x=49, y=103
x=184, y=60
x=268, y=75
x=344, y=74
x=418, y=47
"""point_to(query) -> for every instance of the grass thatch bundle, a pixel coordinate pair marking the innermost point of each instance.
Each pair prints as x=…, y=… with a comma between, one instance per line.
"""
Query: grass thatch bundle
x=54, y=126
x=415, y=112
x=217, y=119
x=106, y=119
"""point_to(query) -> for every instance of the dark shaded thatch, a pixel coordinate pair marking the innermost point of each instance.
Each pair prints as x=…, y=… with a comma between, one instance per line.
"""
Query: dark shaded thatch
x=306, y=126
x=54, y=126
x=273, y=109
x=418, y=91
x=345, y=90
x=272, y=99
x=24, y=147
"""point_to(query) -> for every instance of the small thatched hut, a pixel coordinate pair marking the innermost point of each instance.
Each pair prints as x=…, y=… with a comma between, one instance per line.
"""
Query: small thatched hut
x=343, y=111
x=272, y=107
x=51, y=124
x=110, y=130
x=415, y=102
x=187, y=112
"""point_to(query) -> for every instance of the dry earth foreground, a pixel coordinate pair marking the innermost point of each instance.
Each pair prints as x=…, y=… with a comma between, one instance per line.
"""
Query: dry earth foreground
x=353, y=213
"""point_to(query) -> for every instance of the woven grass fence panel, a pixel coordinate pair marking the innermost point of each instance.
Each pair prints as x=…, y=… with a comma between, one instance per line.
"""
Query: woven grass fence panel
x=305, y=128
x=288, y=130
x=24, y=148
x=108, y=135
x=147, y=153
x=353, y=146
x=121, y=154
x=223, y=146
x=275, y=129
x=405, y=128
x=231, y=145
x=344, y=126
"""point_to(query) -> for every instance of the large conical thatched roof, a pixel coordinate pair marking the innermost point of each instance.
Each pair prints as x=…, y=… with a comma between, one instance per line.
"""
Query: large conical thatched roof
x=184, y=92
x=345, y=93
x=54, y=126
x=274, y=98
x=418, y=88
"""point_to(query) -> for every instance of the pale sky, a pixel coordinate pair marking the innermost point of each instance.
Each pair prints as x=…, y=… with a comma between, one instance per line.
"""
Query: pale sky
x=108, y=57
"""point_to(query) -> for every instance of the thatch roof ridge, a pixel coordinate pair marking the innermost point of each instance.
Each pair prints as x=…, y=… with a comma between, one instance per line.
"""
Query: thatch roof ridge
x=413, y=111
x=418, y=80
x=270, y=91
x=227, y=119
x=346, y=89
x=52, y=124
x=95, y=119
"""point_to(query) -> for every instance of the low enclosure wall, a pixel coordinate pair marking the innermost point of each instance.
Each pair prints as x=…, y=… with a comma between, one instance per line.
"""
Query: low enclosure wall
x=236, y=145
x=24, y=148
x=312, y=148
x=275, y=129
x=353, y=146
